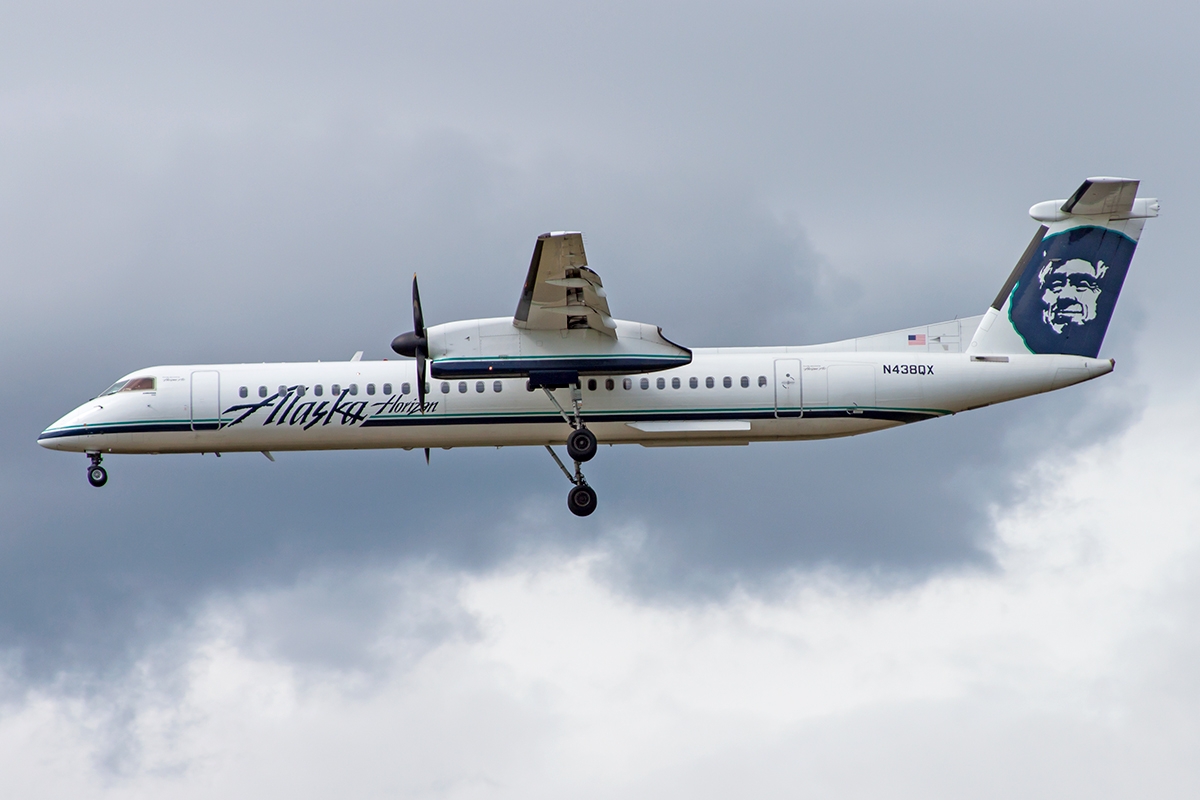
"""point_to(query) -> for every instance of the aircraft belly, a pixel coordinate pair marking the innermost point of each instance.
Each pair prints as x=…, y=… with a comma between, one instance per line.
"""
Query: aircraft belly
x=458, y=434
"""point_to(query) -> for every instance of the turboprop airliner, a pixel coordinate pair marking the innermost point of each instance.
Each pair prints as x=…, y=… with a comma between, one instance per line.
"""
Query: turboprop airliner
x=562, y=370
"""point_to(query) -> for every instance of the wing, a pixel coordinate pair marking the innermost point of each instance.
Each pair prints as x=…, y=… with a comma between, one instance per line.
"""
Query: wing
x=560, y=292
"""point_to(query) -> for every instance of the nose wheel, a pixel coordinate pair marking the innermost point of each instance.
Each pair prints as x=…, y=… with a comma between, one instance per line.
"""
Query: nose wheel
x=97, y=475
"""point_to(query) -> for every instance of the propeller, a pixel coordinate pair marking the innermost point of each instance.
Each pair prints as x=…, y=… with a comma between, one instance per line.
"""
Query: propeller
x=415, y=344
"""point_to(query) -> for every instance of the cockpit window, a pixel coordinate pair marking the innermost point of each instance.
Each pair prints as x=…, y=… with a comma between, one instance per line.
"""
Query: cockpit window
x=144, y=384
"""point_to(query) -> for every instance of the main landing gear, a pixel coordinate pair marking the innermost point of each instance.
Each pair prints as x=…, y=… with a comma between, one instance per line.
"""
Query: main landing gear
x=581, y=447
x=97, y=475
x=581, y=499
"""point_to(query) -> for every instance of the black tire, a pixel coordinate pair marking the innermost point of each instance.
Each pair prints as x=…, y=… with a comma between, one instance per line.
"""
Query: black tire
x=581, y=445
x=582, y=500
x=97, y=476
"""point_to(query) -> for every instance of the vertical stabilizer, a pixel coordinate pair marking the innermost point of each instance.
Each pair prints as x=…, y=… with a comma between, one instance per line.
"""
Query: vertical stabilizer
x=1061, y=294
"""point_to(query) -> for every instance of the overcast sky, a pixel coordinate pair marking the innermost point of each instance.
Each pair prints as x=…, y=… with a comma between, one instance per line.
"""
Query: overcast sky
x=998, y=604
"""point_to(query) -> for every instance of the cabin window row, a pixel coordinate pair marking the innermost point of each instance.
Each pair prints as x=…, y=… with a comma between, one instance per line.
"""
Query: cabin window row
x=319, y=390
x=676, y=383
x=480, y=387
x=498, y=386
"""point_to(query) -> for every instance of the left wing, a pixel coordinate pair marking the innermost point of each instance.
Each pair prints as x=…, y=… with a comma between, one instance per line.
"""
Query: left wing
x=560, y=292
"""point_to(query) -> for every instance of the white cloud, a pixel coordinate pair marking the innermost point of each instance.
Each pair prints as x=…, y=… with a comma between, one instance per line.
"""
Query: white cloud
x=1068, y=670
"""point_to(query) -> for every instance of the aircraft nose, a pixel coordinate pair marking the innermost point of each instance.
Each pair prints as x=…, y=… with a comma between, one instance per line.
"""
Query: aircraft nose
x=58, y=435
x=52, y=438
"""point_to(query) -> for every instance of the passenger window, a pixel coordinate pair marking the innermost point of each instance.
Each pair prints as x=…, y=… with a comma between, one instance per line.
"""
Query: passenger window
x=627, y=384
x=661, y=383
x=354, y=389
x=745, y=382
x=445, y=387
x=591, y=384
x=318, y=390
x=282, y=391
x=608, y=384
x=708, y=382
x=243, y=392
x=692, y=382
x=262, y=391
x=674, y=383
x=645, y=383
x=370, y=388
x=335, y=388
x=728, y=382
x=498, y=386
x=301, y=391
x=762, y=380
x=479, y=387
x=462, y=387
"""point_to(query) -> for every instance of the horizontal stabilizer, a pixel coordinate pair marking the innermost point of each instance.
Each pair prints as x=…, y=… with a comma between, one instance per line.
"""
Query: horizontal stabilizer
x=1102, y=197
x=1112, y=198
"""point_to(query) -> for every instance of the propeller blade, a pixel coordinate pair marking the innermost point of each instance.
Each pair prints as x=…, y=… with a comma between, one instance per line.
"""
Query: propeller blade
x=422, y=347
x=418, y=316
x=426, y=456
x=421, y=378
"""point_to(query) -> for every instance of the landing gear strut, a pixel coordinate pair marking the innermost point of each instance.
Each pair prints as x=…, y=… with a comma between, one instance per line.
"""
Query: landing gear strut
x=581, y=447
x=97, y=475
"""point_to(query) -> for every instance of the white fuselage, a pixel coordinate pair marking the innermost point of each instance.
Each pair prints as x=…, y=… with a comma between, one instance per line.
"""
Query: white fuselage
x=724, y=396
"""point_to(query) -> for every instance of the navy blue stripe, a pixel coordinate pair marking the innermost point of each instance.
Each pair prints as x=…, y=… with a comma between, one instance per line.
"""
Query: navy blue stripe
x=418, y=420
x=878, y=414
x=149, y=427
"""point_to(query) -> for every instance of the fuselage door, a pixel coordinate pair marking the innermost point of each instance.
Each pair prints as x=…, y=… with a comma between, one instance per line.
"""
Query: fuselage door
x=787, y=388
x=206, y=407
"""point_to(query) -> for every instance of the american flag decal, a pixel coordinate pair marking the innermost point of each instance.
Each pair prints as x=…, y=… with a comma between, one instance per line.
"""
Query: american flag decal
x=916, y=338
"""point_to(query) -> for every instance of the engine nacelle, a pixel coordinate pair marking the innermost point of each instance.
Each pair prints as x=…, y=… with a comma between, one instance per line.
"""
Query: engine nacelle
x=496, y=348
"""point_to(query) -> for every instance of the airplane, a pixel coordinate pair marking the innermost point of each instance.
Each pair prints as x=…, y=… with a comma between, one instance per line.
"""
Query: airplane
x=562, y=370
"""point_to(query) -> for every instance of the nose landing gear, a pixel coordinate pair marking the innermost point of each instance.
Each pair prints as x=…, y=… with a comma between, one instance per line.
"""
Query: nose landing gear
x=97, y=475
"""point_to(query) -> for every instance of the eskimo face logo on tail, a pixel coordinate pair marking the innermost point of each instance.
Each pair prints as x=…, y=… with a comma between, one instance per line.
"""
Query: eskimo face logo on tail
x=1070, y=290
x=1065, y=296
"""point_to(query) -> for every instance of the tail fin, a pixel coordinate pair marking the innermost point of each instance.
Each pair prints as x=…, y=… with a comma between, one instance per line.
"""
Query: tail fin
x=1061, y=295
